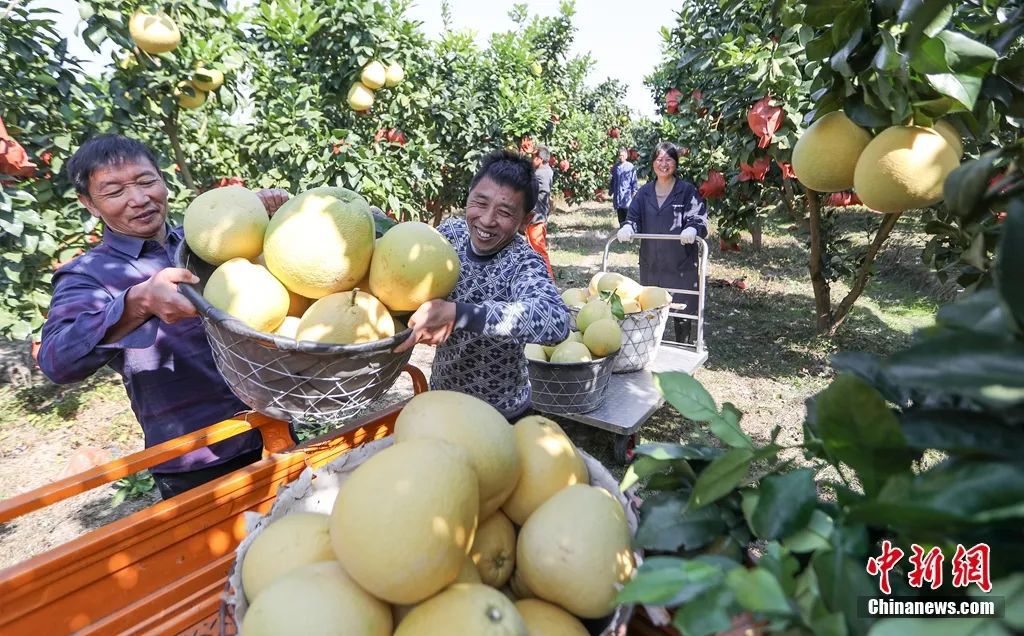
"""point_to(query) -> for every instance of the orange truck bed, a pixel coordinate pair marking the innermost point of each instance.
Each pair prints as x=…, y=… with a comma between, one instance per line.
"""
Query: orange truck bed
x=162, y=570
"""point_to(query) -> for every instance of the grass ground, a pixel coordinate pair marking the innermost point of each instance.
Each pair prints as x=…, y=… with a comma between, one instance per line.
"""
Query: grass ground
x=764, y=357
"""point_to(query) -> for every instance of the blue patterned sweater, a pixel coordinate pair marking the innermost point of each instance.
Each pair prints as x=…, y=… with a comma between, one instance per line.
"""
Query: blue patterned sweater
x=503, y=301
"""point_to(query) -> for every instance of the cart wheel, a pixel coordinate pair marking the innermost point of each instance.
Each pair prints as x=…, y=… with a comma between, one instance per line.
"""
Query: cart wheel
x=623, y=451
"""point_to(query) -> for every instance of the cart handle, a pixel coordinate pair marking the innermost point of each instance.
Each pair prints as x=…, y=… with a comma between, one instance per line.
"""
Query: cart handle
x=276, y=434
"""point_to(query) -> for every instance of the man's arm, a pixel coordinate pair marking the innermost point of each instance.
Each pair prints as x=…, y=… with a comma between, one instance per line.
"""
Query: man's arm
x=86, y=326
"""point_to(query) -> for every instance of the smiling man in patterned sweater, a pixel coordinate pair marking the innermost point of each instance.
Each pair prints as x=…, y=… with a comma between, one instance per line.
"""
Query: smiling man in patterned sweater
x=504, y=297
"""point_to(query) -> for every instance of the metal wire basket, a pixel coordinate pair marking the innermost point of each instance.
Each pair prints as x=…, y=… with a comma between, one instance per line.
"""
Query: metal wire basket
x=297, y=381
x=641, y=337
x=569, y=387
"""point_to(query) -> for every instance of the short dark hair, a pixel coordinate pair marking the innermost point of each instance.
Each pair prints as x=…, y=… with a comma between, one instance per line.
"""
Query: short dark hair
x=543, y=153
x=105, y=150
x=669, y=149
x=511, y=170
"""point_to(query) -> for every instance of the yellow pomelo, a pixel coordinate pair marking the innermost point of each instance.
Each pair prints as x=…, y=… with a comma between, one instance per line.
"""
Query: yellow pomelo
x=290, y=327
x=653, y=298
x=603, y=337
x=248, y=292
x=628, y=289
x=903, y=168
x=535, y=352
x=319, y=598
x=592, y=287
x=476, y=427
x=575, y=548
x=291, y=542
x=571, y=351
x=413, y=263
x=466, y=608
x=226, y=223
x=207, y=79
x=188, y=95
x=404, y=520
x=297, y=305
x=825, y=156
x=374, y=75
x=360, y=97
x=320, y=242
x=550, y=463
x=468, y=573
x=394, y=75
x=574, y=336
x=545, y=619
x=494, y=549
x=154, y=32
x=609, y=282
x=518, y=588
x=351, y=317
x=574, y=297
x=594, y=310
x=951, y=135
x=630, y=306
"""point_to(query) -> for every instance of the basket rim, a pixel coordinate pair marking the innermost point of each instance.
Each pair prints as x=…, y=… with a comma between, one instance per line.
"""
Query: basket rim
x=274, y=341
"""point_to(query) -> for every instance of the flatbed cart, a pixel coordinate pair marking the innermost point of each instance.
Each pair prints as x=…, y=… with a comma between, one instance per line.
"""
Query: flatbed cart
x=623, y=417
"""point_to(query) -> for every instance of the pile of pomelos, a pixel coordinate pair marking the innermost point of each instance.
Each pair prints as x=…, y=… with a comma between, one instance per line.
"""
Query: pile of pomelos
x=314, y=272
x=901, y=168
x=599, y=333
x=465, y=525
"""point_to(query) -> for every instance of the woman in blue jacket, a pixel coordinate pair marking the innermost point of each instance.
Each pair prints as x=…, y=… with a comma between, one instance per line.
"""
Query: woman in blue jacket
x=669, y=205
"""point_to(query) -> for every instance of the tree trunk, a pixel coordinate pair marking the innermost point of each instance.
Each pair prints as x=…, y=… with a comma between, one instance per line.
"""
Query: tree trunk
x=861, y=279
x=756, y=234
x=822, y=291
x=171, y=128
x=789, y=200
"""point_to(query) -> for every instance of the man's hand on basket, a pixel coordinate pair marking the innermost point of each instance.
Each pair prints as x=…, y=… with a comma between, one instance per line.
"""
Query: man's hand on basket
x=272, y=199
x=159, y=296
x=431, y=324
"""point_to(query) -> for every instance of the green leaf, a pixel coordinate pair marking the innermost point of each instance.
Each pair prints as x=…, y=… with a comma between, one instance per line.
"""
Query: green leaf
x=962, y=433
x=687, y=395
x=675, y=451
x=813, y=537
x=841, y=580
x=667, y=524
x=964, y=188
x=840, y=59
x=1010, y=262
x=671, y=584
x=888, y=57
x=964, y=54
x=858, y=429
x=708, y=613
x=921, y=16
x=786, y=504
x=721, y=477
x=757, y=590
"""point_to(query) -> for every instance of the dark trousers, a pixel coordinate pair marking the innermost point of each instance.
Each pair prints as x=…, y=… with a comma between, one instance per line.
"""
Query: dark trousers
x=171, y=484
x=622, y=212
x=684, y=330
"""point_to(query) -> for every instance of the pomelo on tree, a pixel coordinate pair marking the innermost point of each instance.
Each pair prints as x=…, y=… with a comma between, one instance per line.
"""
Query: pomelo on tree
x=465, y=608
x=413, y=263
x=477, y=428
x=294, y=540
x=494, y=549
x=320, y=242
x=189, y=96
x=349, y=317
x=904, y=168
x=360, y=97
x=825, y=156
x=248, y=292
x=549, y=619
x=394, y=75
x=154, y=32
x=225, y=223
x=320, y=598
x=575, y=550
x=374, y=75
x=550, y=462
x=207, y=79
x=404, y=520
x=603, y=337
x=952, y=135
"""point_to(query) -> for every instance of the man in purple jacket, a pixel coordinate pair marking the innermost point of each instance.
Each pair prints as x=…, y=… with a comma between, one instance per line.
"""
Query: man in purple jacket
x=118, y=305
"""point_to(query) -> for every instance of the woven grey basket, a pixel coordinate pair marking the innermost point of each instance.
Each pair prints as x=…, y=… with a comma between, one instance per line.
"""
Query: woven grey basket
x=569, y=387
x=297, y=381
x=641, y=337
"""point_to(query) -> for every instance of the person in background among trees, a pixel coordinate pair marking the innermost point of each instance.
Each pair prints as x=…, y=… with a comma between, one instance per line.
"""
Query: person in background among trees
x=537, y=230
x=118, y=305
x=622, y=185
x=669, y=205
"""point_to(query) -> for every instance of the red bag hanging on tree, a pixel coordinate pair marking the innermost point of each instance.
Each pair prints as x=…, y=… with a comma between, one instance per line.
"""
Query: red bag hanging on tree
x=764, y=120
x=757, y=171
x=13, y=158
x=714, y=186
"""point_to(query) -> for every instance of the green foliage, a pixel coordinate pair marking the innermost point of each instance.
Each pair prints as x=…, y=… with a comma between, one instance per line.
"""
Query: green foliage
x=132, y=487
x=956, y=393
